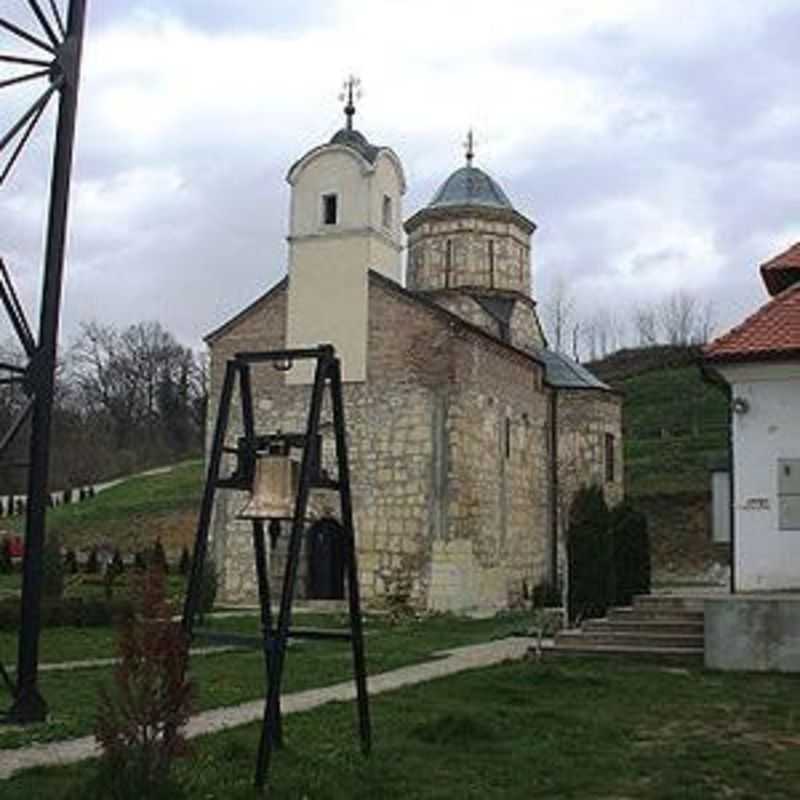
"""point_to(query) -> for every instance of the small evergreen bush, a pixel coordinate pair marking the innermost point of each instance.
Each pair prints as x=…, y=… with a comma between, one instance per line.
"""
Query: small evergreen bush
x=6, y=561
x=631, y=552
x=186, y=561
x=158, y=557
x=139, y=561
x=93, y=561
x=70, y=562
x=52, y=566
x=590, y=555
x=209, y=585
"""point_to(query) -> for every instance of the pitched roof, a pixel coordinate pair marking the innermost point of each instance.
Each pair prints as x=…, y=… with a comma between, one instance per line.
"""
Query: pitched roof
x=771, y=334
x=783, y=271
x=564, y=373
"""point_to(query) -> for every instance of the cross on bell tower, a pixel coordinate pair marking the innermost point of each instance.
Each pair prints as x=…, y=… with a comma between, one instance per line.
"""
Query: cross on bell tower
x=351, y=91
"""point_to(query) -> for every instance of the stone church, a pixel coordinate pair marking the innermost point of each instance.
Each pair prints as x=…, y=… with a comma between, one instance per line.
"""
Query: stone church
x=467, y=435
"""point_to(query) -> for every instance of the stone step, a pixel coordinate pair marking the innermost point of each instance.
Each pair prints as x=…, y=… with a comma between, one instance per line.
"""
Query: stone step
x=630, y=639
x=654, y=615
x=645, y=625
x=667, y=602
x=662, y=654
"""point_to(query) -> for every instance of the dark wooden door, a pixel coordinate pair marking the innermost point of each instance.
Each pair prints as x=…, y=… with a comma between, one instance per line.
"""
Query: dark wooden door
x=326, y=560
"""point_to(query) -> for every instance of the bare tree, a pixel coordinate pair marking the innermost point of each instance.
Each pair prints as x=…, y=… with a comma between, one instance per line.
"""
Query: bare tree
x=645, y=326
x=559, y=312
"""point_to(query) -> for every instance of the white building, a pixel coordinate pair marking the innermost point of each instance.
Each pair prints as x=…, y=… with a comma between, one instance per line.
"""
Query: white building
x=760, y=360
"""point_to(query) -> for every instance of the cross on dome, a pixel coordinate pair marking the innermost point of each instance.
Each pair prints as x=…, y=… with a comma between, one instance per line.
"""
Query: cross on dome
x=469, y=146
x=351, y=91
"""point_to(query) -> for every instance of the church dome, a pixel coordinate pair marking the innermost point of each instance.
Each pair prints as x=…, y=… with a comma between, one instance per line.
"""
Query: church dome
x=355, y=140
x=470, y=186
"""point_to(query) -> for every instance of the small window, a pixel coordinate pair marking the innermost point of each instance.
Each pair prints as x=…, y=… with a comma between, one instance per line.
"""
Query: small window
x=491, y=262
x=330, y=209
x=387, y=211
x=448, y=262
x=508, y=438
x=609, y=457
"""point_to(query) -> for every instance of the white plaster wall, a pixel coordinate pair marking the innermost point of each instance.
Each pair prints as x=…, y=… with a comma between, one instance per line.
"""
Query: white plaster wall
x=766, y=558
x=329, y=264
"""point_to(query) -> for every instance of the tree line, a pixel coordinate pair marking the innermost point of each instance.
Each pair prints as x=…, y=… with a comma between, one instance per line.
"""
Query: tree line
x=126, y=399
x=679, y=318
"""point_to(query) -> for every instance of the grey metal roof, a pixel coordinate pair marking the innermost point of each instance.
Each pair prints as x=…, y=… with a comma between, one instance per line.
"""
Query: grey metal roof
x=564, y=373
x=470, y=186
x=356, y=141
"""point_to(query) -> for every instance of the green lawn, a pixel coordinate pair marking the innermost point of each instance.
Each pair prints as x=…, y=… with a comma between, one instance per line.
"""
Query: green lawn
x=582, y=730
x=675, y=429
x=228, y=678
x=130, y=514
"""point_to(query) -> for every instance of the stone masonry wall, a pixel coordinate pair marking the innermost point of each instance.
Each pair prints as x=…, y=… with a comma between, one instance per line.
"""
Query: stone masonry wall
x=493, y=551
x=419, y=432
x=464, y=306
x=584, y=417
x=526, y=332
x=471, y=264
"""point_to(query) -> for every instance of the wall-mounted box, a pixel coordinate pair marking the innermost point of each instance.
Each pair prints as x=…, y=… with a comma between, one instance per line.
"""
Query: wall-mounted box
x=789, y=494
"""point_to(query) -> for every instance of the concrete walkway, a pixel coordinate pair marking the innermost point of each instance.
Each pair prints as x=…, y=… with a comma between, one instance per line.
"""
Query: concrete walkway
x=457, y=660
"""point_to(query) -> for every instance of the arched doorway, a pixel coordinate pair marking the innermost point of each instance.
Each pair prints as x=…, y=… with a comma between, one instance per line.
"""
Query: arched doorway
x=326, y=560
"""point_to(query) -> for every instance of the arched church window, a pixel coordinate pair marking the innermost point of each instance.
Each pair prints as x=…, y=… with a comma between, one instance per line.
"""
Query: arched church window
x=448, y=262
x=491, y=263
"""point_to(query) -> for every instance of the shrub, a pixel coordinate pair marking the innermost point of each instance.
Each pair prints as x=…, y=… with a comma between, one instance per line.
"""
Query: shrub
x=590, y=555
x=52, y=566
x=139, y=561
x=93, y=562
x=70, y=562
x=186, y=561
x=117, y=565
x=631, y=553
x=158, y=556
x=76, y=612
x=67, y=496
x=6, y=561
x=139, y=723
x=208, y=588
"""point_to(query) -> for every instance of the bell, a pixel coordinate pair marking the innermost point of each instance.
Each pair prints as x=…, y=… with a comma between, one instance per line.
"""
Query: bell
x=274, y=486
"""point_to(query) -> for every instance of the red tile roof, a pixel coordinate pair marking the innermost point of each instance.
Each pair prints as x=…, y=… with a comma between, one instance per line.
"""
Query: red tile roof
x=782, y=271
x=771, y=334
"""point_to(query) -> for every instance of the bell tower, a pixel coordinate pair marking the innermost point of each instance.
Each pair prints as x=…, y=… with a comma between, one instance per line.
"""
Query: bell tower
x=345, y=219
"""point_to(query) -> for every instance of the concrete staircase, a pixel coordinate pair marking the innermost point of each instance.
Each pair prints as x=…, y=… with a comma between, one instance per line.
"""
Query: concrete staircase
x=668, y=627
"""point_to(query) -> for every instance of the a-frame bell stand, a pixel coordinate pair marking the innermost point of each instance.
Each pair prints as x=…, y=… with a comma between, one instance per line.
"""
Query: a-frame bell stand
x=274, y=639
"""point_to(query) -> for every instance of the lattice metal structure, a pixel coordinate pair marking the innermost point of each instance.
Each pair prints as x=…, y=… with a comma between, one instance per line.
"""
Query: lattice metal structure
x=310, y=476
x=52, y=47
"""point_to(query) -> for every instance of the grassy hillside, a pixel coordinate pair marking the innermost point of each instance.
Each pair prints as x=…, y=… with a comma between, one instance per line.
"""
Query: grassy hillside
x=675, y=422
x=133, y=513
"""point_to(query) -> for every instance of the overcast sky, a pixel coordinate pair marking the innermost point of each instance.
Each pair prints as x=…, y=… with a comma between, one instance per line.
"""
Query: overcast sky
x=655, y=144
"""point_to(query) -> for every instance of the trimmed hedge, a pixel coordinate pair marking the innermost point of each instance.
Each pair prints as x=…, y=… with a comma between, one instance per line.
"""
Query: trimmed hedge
x=76, y=612
x=590, y=555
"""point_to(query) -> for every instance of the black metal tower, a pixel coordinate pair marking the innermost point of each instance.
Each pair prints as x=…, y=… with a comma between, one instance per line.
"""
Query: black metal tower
x=57, y=60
